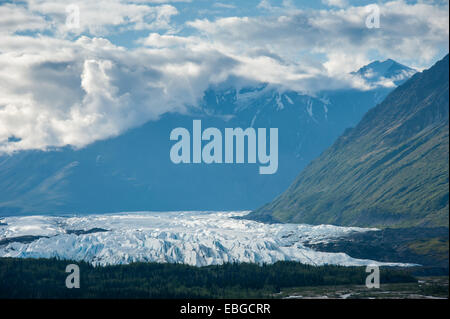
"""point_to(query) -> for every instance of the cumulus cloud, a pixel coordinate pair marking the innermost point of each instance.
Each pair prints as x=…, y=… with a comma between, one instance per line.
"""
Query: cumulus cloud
x=16, y=18
x=91, y=89
x=57, y=90
x=101, y=17
x=407, y=32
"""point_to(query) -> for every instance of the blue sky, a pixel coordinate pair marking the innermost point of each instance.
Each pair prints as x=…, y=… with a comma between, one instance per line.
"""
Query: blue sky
x=69, y=81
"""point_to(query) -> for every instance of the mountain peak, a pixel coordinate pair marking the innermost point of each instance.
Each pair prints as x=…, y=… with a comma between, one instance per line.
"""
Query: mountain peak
x=391, y=170
x=385, y=73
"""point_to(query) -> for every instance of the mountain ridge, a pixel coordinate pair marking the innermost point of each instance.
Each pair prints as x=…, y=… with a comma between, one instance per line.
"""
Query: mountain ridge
x=379, y=173
x=133, y=171
x=389, y=70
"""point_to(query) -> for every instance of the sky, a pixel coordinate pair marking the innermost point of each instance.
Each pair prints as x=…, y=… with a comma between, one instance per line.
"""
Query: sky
x=74, y=72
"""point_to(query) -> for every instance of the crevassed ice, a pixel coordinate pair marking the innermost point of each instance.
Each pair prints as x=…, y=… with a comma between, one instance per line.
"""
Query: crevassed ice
x=194, y=238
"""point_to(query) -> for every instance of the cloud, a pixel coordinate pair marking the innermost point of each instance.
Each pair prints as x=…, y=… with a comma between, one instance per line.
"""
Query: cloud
x=286, y=7
x=224, y=5
x=408, y=32
x=16, y=19
x=103, y=17
x=58, y=89
x=335, y=3
x=91, y=89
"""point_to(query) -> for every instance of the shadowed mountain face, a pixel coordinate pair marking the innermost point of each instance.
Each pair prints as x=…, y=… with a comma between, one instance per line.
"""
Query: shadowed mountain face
x=134, y=172
x=390, y=170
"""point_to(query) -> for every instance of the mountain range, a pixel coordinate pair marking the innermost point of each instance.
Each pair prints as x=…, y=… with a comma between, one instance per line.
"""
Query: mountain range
x=133, y=171
x=390, y=170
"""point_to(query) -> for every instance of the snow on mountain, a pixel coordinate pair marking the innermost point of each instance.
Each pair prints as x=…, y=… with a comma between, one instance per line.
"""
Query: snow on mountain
x=133, y=171
x=388, y=73
x=194, y=238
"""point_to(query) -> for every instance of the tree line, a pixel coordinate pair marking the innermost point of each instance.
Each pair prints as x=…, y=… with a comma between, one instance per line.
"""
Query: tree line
x=45, y=278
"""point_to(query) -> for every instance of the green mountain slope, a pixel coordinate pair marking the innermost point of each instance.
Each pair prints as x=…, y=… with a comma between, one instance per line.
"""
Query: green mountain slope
x=391, y=170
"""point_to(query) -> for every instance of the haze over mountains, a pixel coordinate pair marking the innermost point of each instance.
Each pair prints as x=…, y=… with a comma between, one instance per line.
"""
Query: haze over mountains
x=390, y=170
x=134, y=172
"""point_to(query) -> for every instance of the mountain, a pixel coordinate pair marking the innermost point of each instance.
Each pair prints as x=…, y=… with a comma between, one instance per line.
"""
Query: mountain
x=386, y=72
x=133, y=171
x=390, y=170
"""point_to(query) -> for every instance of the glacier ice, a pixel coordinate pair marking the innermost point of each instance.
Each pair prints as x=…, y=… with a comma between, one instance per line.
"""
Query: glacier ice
x=194, y=238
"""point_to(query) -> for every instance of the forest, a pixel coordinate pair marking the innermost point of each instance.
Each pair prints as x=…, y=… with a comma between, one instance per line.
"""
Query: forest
x=45, y=278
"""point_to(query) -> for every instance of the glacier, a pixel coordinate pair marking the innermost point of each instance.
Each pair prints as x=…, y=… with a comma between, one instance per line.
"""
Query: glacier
x=194, y=238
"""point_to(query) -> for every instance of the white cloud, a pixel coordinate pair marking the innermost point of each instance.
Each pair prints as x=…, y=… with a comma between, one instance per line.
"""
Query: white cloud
x=91, y=89
x=409, y=32
x=335, y=3
x=100, y=17
x=286, y=7
x=56, y=91
x=224, y=5
x=16, y=18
